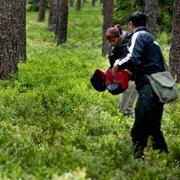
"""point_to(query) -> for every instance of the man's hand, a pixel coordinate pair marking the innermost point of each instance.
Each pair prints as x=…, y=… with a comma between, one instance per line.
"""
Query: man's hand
x=115, y=69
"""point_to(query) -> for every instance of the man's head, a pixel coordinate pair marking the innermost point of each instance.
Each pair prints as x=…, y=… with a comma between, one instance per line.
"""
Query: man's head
x=137, y=19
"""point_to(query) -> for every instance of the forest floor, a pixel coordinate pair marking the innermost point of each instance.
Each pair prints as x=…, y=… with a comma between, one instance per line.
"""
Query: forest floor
x=54, y=125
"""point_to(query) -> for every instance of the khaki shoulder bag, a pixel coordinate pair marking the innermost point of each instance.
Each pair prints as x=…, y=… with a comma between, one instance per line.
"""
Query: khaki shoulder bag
x=164, y=86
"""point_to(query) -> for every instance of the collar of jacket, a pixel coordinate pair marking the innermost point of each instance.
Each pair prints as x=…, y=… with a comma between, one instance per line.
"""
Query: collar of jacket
x=124, y=38
x=141, y=28
x=123, y=35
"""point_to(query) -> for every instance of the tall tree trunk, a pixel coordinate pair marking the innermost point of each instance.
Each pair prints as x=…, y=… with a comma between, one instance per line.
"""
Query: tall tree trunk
x=8, y=38
x=175, y=47
x=107, y=22
x=78, y=5
x=53, y=15
x=62, y=22
x=21, y=5
x=71, y=3
x=93, y=2
x=42, y=10
x=150, y=9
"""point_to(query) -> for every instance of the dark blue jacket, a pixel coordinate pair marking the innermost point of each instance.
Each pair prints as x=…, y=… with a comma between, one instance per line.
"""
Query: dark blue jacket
x=144, y=57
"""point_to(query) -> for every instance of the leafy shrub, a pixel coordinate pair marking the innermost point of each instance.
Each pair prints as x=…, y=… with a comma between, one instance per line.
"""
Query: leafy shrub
x=165, y=15
x=32, y=5
x=124, y=8
x=54, y=125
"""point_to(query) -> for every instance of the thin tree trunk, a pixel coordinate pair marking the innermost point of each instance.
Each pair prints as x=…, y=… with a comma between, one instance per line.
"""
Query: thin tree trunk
x=71, y=3
x=78, y=5
x=53, y=15
x=175, y=47
x=62, y=22
x=8, y=38
x=93, y=2
x=107, y=22
x=22, y=30
x=42, y=10
x=150, y=9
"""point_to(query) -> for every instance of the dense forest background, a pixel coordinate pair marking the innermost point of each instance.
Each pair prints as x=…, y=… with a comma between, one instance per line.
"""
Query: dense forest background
x=53, y=124
x=123, y=8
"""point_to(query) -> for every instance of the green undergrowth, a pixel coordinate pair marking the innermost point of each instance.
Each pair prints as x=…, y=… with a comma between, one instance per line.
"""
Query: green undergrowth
x=54, y=125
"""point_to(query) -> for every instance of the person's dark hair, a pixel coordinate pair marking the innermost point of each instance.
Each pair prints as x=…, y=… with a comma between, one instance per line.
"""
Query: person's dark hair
x=114, y=31
x=138, y=19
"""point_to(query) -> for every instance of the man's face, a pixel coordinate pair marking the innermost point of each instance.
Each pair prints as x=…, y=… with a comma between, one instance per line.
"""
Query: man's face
x=114, y=41
x=130, y=26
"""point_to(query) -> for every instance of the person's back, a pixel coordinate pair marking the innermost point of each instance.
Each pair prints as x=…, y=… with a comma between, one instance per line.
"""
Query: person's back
x=152, y=59
x=144, y=57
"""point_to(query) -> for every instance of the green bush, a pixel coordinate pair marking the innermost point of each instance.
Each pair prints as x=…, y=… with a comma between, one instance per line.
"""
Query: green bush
x=32, y=5
x=165, y=15
x=124, y=8
x=54, y=125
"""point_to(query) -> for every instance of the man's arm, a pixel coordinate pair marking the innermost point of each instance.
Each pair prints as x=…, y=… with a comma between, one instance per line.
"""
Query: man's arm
x=134, y=55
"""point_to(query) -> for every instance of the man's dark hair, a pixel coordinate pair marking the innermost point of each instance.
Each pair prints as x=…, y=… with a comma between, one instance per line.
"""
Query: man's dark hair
x=138, y=19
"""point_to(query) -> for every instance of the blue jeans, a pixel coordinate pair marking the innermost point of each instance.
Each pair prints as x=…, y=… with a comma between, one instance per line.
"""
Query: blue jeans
x=148, y=115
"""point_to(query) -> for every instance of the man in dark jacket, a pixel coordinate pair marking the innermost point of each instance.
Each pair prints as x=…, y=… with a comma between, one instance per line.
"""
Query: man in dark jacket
x=144, y=57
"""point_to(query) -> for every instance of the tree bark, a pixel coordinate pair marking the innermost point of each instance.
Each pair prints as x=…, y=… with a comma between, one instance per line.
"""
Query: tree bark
x=78, y=5
x=175, y=46
x=8, y=38
x=62, y=22
x=53, y=15
x=150, y=9
x=71, y=3
x=93, y=2
x=107, y=22
x=42, y=10
x=21, y=5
